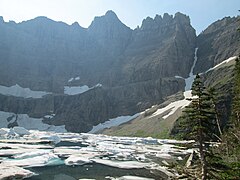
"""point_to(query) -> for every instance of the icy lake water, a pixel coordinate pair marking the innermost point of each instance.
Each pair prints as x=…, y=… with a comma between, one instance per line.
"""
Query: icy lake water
x=48, y=155
x=91, y=171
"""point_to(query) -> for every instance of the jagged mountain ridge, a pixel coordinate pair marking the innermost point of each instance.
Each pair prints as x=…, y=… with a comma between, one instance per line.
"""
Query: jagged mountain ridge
x=135, y=67
x=39, y=48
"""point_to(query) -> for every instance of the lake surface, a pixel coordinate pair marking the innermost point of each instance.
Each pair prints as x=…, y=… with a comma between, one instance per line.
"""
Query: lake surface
x=49, y=155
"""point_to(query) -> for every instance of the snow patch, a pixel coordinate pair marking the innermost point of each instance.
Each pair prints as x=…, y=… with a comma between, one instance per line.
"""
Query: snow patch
x=222, y=63
x=112, y=122
x=23, y=120
x=18, y=91
x=179, y=77
x=98, y=85
x=71, y=79
x=174, y=106
x=73, y=90
x=74, y=79
x=49, y=116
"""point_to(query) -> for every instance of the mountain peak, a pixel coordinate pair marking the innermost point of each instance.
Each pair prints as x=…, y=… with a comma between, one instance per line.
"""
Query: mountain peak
x=182, y=17
x=111, y=13
x=109, y=19
x=167, y=17
x=75, y=24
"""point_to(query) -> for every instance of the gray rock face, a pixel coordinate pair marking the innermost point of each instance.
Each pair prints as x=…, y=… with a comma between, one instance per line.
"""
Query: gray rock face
x=217, y=43
x=43, y=54
x=110, y=33
x=136, y=67
x=80, y=112
x=159, y=47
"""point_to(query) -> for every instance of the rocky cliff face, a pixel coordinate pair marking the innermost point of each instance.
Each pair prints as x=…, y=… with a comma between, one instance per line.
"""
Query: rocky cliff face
x=42, y=54
x=136, y=68
x=217, y=43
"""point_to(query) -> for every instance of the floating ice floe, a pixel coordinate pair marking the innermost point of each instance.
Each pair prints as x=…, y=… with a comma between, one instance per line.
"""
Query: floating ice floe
x=14, y=172
x=53, y=138
x=21, y=131
x=3, y=131
x=122, y=164
x=32, y=154
x=125, y=153
x=77, y=160
x=37, y=161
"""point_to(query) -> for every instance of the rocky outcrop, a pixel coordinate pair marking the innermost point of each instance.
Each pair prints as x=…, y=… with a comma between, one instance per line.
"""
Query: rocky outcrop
x=217, y=43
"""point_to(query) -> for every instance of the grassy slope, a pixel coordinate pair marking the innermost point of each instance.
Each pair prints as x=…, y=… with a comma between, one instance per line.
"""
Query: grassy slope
x=156, y=127
x=145, y=126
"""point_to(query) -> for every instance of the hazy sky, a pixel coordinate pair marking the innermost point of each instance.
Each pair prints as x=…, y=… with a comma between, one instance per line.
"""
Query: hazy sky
x=130, y=12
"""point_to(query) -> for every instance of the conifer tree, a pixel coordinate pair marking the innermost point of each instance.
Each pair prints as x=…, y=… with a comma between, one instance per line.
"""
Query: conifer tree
x=200, y=116
x=236, y=95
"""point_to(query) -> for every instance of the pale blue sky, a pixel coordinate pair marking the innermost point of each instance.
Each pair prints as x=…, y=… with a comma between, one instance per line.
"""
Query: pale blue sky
x=130, y=12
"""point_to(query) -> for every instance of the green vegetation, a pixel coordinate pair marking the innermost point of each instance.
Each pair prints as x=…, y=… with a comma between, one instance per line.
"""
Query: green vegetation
x=146, y=126
x=218, y=152
x=229, y=150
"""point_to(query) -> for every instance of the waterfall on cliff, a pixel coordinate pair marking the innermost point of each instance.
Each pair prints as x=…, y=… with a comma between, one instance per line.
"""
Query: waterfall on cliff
x=190, y=79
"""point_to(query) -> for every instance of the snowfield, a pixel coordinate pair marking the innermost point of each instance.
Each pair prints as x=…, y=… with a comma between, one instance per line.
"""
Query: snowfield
x=73, y=90
x=222, y=63
x=174, y=106
x=18, y=91
x=113, y=122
